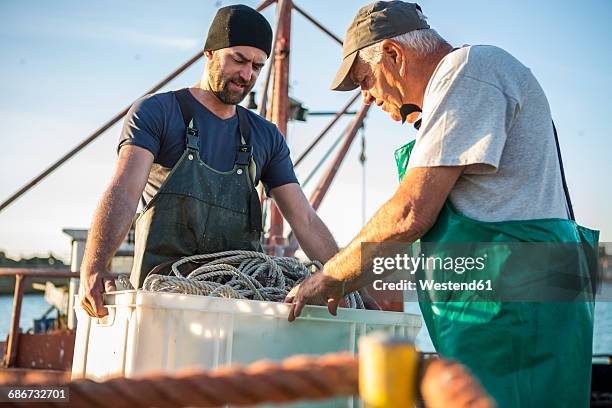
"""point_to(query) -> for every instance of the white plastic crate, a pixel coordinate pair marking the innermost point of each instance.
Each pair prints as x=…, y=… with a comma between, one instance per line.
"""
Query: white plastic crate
x=147, y=332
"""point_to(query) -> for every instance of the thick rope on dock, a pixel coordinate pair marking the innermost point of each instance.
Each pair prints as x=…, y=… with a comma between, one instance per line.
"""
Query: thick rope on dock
x=239, y=275
x=296, y=378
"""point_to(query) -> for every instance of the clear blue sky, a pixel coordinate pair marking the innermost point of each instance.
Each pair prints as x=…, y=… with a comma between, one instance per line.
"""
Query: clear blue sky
x=69, y=66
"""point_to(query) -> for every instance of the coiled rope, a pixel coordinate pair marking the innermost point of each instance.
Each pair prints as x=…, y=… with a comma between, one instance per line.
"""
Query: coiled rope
x=239, y=275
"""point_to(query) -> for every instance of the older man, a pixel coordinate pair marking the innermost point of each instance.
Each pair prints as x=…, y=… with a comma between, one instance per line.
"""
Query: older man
x=485, y=168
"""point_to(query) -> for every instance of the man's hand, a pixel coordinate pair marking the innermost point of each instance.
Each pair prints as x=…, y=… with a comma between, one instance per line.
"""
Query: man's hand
x=447, y=384
x=94, y=286
x=319, y=289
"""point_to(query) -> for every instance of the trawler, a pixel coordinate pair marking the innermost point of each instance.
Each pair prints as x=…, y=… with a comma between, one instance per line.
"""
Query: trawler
x=50, y=349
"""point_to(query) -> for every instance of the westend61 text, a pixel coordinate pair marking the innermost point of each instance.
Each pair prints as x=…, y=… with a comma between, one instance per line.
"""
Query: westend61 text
x=480, y=285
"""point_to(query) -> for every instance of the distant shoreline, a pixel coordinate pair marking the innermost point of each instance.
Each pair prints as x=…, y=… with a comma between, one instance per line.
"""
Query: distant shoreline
x=7, y=284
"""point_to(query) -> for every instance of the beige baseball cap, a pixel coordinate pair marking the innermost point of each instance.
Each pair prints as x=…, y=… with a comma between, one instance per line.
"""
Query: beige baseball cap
x=373, y=23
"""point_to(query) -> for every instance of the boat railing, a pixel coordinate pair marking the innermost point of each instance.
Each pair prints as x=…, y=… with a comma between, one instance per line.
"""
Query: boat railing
x=20, y=275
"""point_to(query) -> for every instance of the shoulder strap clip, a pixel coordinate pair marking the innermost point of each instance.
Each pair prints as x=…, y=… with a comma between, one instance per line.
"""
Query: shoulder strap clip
x=191, y=133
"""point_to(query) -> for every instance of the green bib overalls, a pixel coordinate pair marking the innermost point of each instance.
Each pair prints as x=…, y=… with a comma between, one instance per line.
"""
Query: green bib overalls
x=526, y=354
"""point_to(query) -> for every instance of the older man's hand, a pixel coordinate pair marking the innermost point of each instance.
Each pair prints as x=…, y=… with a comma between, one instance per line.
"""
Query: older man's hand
x=319, y=289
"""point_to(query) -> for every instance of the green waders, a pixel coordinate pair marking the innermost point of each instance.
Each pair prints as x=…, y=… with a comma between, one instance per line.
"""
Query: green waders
x=525, y=353
x=198, y=209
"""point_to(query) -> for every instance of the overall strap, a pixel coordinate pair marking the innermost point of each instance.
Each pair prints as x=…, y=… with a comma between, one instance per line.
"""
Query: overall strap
x=244, y=156
x=565, y=189
x=245, y=150
x=244, y=126
x=191, y=134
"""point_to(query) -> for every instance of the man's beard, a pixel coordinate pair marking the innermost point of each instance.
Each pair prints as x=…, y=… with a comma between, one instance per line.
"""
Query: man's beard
x=219, y=85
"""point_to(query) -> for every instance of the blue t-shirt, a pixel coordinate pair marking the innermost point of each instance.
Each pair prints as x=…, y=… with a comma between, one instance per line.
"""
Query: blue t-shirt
x=155, y=123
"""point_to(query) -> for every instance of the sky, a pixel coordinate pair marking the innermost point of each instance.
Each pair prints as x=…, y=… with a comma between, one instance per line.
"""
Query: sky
x=67, y=67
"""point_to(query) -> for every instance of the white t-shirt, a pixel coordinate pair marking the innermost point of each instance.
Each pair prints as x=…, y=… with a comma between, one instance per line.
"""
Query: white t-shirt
x=485, y=110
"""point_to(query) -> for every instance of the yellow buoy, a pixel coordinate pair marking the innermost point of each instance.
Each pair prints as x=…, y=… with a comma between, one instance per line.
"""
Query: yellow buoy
x=388, y=369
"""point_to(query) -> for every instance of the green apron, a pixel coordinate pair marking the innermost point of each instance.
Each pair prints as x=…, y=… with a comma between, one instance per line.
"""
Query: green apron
x=525, y=353
x=198, y=209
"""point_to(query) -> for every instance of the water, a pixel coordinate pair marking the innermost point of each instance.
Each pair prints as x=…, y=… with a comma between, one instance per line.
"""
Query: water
x=34, y=306
x=602, y=332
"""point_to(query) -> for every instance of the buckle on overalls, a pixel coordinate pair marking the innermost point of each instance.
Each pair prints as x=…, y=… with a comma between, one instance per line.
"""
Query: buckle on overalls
x=244, y=154
x=192, y=138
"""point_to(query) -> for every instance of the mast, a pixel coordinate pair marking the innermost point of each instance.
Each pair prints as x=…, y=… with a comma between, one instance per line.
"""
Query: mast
x=280, y=107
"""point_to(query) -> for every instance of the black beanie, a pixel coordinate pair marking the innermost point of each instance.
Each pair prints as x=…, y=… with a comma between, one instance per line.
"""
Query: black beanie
x=239, y=25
